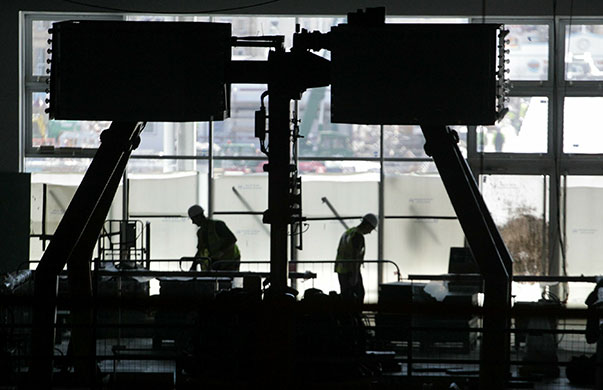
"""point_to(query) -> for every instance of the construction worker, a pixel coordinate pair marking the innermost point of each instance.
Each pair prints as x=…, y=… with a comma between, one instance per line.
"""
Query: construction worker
x=350, y=254
x=215, y=242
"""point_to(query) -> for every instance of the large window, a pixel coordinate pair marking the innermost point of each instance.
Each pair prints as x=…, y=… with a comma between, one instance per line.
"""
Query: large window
x=550, y=130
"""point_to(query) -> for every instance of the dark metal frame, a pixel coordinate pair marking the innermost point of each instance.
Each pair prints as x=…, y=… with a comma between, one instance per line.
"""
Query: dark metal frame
x=73, y=245
x=287, y=74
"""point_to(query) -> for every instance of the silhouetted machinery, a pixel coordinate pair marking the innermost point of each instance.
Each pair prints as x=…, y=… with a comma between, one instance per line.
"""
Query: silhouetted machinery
x=130, y=72
x=447, y=318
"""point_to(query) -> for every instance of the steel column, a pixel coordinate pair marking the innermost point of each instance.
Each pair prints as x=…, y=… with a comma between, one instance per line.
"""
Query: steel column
x=74, y=237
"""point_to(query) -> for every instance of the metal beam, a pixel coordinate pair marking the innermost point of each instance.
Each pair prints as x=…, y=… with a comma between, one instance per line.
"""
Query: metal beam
x=279, y=160
x=73, y=242
x=488, y=249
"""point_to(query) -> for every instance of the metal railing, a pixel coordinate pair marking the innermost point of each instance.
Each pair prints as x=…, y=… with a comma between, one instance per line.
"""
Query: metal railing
x=407, y=339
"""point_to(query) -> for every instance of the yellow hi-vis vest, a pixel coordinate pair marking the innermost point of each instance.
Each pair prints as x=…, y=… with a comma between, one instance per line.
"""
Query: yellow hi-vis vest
x=346, y=251
x=208, y=249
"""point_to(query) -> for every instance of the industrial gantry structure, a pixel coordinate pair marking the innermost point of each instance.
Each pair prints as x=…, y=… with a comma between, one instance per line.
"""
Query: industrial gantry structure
x=133, y=72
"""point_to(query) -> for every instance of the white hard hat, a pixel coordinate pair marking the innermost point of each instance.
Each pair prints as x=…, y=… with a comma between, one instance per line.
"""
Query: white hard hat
x=195, y=210
x=371, y=219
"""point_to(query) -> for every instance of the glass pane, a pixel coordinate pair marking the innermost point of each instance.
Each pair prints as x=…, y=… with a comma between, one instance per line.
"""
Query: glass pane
x=233, y=167
x=409, y=193
x=582, y=118
x=60, y=187
x=253, y=236
x=171, y=238
x=61, y=133
x=174, y=139
x=170, y=193
x=241, y=192
x=350, y=194
x=418, y=245
x=56, y=165
x=421, y=246
x=39, y=47
x=244, y=194
x=408, y=141
x=517, y=206
x=162, y=199
x=523, y=130
x=584, y=52
x=235, y=136
x=325, y=139
x=418, y=167
x=583, y=228
x=528, y=51
x=157, y=138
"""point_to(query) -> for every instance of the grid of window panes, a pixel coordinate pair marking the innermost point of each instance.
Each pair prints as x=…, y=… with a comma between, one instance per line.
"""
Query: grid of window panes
x=526, y=127
x=171, y=168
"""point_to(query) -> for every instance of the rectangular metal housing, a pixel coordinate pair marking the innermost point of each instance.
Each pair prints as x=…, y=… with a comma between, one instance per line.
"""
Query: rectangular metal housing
x=430, y=74
x=139, y=71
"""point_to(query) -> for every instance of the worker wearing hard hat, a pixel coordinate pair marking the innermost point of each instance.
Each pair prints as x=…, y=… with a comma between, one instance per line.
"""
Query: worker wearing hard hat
x=350, y=254
x=215, y=242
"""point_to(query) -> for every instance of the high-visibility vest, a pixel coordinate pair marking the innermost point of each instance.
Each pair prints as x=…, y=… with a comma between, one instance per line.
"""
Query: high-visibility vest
x=213, y=245
x=346, y=251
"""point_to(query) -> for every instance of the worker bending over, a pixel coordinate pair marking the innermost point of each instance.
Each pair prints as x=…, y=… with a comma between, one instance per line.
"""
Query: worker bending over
x=215, y=242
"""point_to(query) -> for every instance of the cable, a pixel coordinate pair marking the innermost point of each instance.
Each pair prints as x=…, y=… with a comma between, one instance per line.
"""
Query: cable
x=207, y=11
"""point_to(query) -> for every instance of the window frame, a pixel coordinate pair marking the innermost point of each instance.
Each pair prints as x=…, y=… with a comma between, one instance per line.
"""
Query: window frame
x=31, y=83
x=553, y=164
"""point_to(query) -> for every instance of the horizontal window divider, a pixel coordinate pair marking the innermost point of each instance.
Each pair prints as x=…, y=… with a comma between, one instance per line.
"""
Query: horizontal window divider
x=582, y=88
x=135, y=216
x=510, y=156
x=327, y=158
x=516, y=278
x=449, y=217
x=386, y=217
x=36, y=84
x=579, y=167
x=452, y=217
x=238, y=212
x=61, y=153
x=167, y=157
x=256, y=158
x=515, y=165
x=408, y=159
x=530, y=88
x=89, y=152
x=594, y=157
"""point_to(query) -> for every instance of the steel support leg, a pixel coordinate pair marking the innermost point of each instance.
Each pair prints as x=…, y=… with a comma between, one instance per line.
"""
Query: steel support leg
x=488, y=249
x=72, y=244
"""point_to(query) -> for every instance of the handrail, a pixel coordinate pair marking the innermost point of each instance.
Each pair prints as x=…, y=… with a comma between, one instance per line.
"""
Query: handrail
x=398, y=274
x=199, y=274
x=313, y=262
x=516, y=278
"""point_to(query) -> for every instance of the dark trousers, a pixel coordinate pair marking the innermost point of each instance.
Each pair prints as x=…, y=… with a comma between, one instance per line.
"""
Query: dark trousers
x=351, y=287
